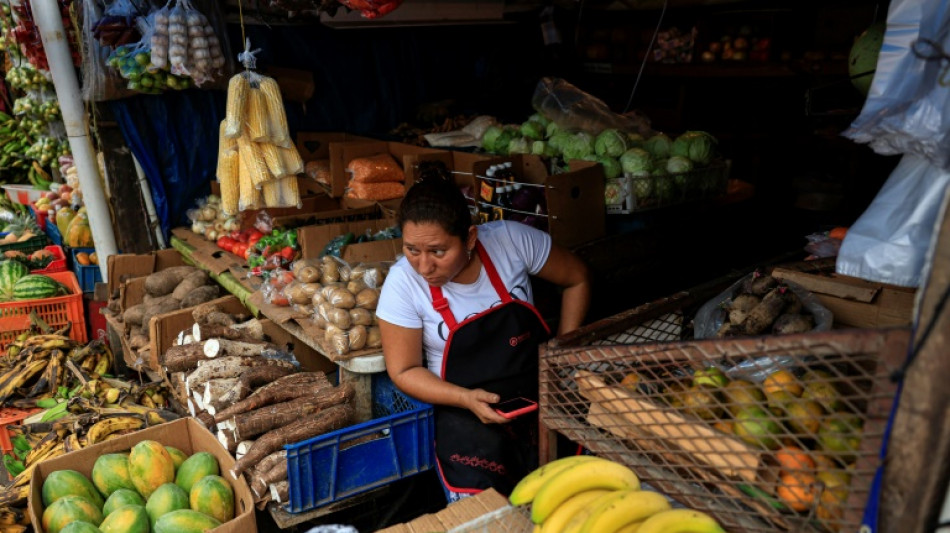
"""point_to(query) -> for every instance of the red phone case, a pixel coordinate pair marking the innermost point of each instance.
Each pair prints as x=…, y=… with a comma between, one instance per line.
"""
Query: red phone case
x=518, y=412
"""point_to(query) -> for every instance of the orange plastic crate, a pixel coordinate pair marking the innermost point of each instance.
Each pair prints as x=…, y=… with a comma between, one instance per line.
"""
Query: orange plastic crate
x=56, y=312
x=10, y=416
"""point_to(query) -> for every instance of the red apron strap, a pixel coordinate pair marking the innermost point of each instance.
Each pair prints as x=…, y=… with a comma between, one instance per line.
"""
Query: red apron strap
x=492, y=273
x=441, y=306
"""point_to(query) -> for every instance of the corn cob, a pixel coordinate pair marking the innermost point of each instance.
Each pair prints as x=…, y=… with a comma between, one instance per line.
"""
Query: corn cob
x=293, y=163
x=272, y=157
x=279, y=133
x=235, y=110
x=258, y=126
x=230, y=179
x=225, y=144
x=250, y=196
x=254, y=162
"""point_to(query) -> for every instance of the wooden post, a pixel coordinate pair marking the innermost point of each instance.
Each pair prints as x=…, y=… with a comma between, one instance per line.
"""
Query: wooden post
x=917, y=466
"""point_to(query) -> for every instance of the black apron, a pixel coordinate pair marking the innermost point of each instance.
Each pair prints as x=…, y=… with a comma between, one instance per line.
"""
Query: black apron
x=495, y=350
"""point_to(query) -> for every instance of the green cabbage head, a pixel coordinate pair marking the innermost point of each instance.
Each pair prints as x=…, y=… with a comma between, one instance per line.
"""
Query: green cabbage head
x=579, y=145
x=659, y=146
x=637, y=161
x=610, y=143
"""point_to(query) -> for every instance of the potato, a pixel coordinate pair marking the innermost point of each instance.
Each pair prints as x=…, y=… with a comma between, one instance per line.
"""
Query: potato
x=374, y=276
x=331, y=271
x=318, y=319
x=342, y=298
x=301, y=263
x=327, y=289
x=367, y=298
x=317, y=298
x=373, y=338
x=357, y=336
x=355, y=285
x=298, y=294
x=340, y=343
x=339, y=318
x=160, y=306
x=308, y=274
x=361, y=317
x=331, y=331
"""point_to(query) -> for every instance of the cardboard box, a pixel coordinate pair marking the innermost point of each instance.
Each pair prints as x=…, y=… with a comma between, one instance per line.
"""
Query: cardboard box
x=313, y=239
x=461, y=164
x=313, y=197
x=459, y=513
x=854, y=302
x=575, y=199
x=123, y=267
x=164, y=330
x=328, y=145
x=404, y=154
x=186, y=434
x=206, y=253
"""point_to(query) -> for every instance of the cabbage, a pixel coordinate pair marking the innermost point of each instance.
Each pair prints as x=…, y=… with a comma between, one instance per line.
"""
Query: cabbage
x=634, y=140
x=659, y=146
x=579, y=145
x=696, y=145
x=540, y=119
x=636, y=161
x=519, y=145
x=551, y=129
x=613, y=193
x=659, y=167
x=503, y=140
x=610, y=143
x=612, y=167
x=560, y=140
x=679, y=164
x=533, y=130
x=543, y=148
x=490, y=137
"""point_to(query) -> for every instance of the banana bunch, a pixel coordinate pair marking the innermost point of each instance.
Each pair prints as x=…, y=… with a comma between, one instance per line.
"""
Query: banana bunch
x=53, y=444
x=13, y=520
x=151, y=395
x=14, y=142
x=587, y=494
x=39, y=356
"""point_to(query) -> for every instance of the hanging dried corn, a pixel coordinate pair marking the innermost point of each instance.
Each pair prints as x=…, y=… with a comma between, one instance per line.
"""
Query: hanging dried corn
x=250, y=196
x=254, y=161
x=280, y=135
x=238, y=88
x=258, y=125
x=228, y=172
x=282, y=193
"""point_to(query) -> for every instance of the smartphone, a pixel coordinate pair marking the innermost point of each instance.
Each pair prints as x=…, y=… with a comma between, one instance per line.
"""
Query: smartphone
x=514, y=407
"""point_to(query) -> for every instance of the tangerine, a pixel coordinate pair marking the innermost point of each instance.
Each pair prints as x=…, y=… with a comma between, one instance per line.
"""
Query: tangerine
x=798, y=490
x=793, y=459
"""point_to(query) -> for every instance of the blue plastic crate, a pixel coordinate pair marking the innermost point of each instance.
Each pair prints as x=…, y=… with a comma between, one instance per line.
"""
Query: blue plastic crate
x=88, y=275
x=54, y=235
x=327, y=469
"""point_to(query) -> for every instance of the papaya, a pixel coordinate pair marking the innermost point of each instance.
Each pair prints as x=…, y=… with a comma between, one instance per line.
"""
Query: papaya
x=167, y=498
x=194, y=468
x=80, y=527
x=121, y=498
x=126, y=519
x=70, y=509
x=178, y=456
x=63, y=483
x=213, y=496
x=150, y=467
x=78, y=233
x=185, y=521
x=64, y=215
x=111, y=473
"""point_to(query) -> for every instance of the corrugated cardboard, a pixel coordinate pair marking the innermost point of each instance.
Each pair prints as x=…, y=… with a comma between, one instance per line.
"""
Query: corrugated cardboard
x=123, y=267
x=313, y=239
x=206, y=253
x=328, y=145
x=575, y=199
x=164, y=330
x=455, y=514
x=185, y=434
x=855, y=302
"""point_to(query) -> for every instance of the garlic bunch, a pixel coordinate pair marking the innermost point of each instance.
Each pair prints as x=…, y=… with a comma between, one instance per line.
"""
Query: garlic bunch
x=185, y=42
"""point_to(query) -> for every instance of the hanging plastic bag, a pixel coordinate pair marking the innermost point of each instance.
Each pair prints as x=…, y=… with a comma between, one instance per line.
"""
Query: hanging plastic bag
x=571, y=108
x=99, y=83
x=889, y=241
x=908, y=105
x=117, y=25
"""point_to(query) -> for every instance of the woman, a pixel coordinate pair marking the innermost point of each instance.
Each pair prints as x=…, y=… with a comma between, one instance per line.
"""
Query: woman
x=459, y=330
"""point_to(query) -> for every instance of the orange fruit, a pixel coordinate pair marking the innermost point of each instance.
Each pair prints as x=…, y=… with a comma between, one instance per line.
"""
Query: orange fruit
x=630, y=381
x=781, y=382
x=793, y=459
x=94, y=258
x=798, y=490
x=83, y=259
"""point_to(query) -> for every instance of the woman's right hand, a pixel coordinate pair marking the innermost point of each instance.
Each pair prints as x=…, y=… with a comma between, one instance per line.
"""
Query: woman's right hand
x=478, y=402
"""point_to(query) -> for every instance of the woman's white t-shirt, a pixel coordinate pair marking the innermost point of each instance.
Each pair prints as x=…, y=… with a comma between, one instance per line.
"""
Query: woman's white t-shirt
x=517, y=251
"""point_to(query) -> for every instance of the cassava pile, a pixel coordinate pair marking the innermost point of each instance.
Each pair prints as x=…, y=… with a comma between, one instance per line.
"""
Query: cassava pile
x=222, y=369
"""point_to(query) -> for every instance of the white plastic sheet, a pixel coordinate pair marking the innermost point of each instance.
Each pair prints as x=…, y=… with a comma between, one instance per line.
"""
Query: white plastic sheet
x=908, y=106
x=889, y=242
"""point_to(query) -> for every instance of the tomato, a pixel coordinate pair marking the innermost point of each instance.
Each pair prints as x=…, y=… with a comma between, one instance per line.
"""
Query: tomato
x=288, y=253
x=239, y=249
x=253, y=236
x=226, y=243
x=838, y=233
x=280, y=299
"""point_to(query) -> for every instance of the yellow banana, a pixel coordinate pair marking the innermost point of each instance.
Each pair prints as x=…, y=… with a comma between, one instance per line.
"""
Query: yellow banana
x=564, y=512
x=41, y=448
x=15, y=496
x=586, y=475
x=105, y=427
x=526, y=489
x=72, y=443
x=630, y=528
x=624, y=507
x=11, y=516
x=104, y=364
x=574, y=524
x=680, y=521
x=112, y=395
x=13, y=528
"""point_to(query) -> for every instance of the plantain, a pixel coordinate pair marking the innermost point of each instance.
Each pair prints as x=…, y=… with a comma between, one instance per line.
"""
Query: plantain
x=26, y=373
x=90, y=362
x=42, y=447
x=80, y=353
x=72, y=443
x=13, y=528
x=47, y=381
x=104, y=364
x=107, y=426
x=15, y=495
x=10, y=516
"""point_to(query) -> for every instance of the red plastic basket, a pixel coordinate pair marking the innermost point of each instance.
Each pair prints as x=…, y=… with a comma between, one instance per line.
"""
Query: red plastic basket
x=56, y=312
x=11, y=416
x=58, y=264
x=41, y=215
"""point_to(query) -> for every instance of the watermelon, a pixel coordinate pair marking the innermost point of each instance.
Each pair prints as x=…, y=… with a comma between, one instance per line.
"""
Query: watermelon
x=167, y=498
x=70, y=509
x=194, y=468
x=111, y=473
x=10, y=272
x=121, y=498
x=185, y=521
x=36, y=287
x=126, y=519
x=63, y=483
x=213, y=496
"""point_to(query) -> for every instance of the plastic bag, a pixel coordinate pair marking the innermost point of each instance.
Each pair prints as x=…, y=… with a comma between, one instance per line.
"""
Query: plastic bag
x=713, y=314
x=372, y=8
x=99, y=83
x=375, y=191
x=273, y=287
x=572, y=108
x=378, y=168
x=908, y=105
x=821, y=245
x=889, y=241
x=117, y=25
x=318, y=171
